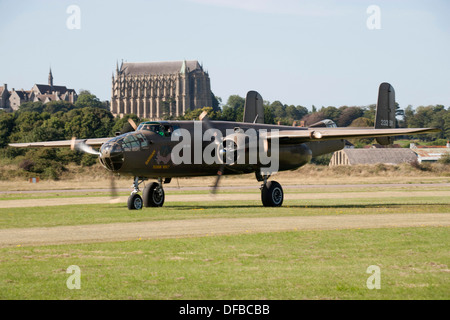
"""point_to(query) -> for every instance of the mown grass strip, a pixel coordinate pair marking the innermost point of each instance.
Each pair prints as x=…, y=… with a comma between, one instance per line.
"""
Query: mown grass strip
x=108, y=213
x=330, y=264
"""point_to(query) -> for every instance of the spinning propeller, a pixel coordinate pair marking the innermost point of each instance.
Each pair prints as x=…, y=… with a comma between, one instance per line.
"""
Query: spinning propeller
x=227, y=150
x=80, y=145
x=203, y=117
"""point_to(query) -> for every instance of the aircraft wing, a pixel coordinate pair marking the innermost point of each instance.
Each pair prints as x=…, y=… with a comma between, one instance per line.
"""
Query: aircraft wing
x=322, y=134
x=61, y=144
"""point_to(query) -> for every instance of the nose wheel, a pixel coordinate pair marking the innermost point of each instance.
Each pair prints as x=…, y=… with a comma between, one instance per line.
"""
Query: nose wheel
x=135, y=202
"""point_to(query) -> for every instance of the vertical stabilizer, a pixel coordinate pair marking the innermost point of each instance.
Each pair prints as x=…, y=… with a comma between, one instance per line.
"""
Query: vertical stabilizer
x=253, y=108
x=385, y=113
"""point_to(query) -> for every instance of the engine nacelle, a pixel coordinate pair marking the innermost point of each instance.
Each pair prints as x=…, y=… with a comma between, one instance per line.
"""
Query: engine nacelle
x=234, y=149
x=294, y=156
x=241, y=149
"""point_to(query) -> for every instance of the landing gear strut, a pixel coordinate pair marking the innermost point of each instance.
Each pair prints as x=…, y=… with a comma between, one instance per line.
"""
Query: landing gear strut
x=152, y=196
x=135, y=200
x=271, y=192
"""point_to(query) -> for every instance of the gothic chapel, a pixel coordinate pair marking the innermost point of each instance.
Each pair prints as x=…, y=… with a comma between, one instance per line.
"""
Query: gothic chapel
x=154, y=90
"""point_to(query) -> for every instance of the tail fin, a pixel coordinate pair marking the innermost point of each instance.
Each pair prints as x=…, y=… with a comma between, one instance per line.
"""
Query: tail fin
x=385, y=114
x=253, y=108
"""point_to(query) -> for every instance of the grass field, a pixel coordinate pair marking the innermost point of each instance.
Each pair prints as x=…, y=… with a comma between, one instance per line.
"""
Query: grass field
x=288, y=265
x=303, y=264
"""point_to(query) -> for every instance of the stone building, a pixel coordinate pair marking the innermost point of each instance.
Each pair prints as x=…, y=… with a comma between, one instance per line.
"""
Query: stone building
x=50, y=92
x=154, y=90
x=18, y=97
x=4, y=97
x=430, y=153
x=11, y=100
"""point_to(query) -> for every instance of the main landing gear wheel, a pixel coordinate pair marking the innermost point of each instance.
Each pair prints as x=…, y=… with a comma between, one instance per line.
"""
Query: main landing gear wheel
x=153, y=195
x=272, y=194
x=135, y=202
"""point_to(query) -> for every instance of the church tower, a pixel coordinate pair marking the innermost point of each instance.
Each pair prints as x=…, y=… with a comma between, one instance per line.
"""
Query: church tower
x=50, y=78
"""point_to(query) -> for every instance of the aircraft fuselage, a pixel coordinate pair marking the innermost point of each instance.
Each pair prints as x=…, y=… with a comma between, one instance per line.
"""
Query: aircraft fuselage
x=152, y=151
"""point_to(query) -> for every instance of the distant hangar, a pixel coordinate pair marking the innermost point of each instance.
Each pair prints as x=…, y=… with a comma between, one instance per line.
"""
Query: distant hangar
x=396, y=155
x=373, y=156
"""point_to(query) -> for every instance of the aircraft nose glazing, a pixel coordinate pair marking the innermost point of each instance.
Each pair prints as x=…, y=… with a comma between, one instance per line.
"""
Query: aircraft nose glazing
x=111, y=156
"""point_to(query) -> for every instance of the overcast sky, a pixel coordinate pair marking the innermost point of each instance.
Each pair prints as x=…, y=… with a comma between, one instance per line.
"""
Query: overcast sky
x=306, y=53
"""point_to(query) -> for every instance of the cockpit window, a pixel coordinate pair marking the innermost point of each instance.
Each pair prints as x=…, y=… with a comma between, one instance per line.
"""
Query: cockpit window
x=164, y=130
x=142, y=140
x=149, y=127
x=134, y=142
x=330, y=123
x=130, y=143
x=126, y=142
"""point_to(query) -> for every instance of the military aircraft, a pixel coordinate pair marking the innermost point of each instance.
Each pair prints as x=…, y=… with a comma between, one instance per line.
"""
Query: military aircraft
x=154, y=149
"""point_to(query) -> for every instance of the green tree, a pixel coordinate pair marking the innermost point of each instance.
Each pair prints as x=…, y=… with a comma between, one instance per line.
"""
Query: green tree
x=88, y=123
x=236, y=103
x=30, y=106
x=7, y=121
x=291, y=113
x=268, y=115
x=369, y=112
x=228, y=114
x=440, y=119
x=331, y=113
x=348, y=114
x=56, y=106
x=430, y=116
x=313, y=117
x=301, y=112
x=122, y=125
x=278, y=110
x=195, y=114
x=362, y=122
x=87, y=99
x=24, y=126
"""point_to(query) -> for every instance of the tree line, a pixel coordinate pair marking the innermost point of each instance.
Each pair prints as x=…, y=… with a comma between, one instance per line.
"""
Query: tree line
x=344, y=116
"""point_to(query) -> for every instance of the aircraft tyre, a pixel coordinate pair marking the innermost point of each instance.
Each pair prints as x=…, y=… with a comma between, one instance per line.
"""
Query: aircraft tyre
x=135, y=202
x=272, y=194
x=153, y=195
